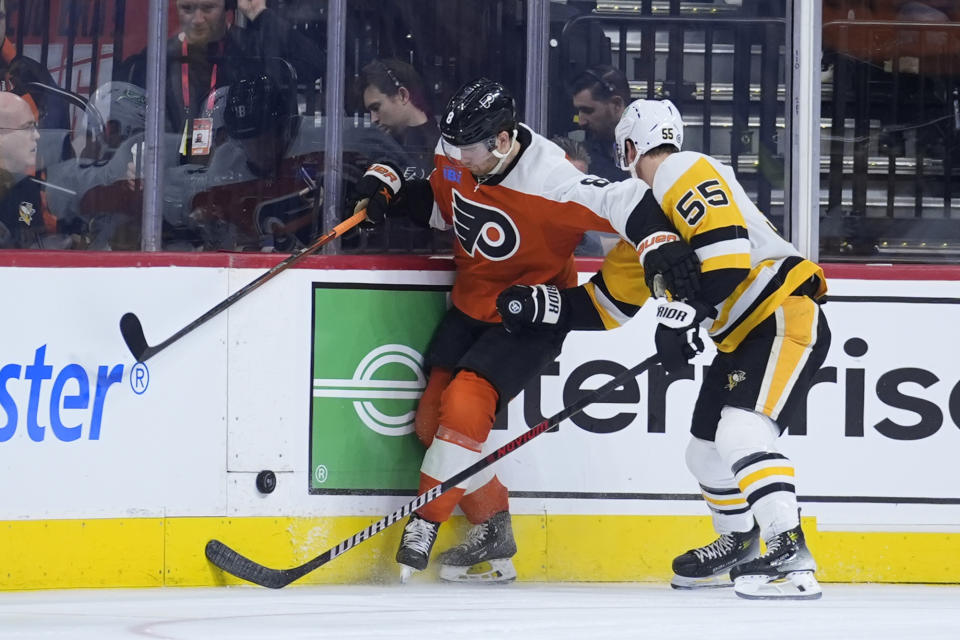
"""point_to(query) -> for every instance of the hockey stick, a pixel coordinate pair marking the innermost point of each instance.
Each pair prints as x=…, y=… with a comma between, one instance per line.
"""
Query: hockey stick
x=132, y=330
x=242, y=567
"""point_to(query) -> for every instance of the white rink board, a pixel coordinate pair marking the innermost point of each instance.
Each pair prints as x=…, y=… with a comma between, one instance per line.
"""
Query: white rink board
x=157, y=453
x=233, y=397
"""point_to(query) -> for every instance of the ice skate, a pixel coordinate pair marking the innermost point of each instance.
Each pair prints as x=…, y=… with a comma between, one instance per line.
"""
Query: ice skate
x=784, y=572
x=415, y=545
x=709, y=566
x=485, y=556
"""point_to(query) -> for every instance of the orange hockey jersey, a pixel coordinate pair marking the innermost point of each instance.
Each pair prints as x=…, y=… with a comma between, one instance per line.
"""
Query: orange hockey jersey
x=521, y=226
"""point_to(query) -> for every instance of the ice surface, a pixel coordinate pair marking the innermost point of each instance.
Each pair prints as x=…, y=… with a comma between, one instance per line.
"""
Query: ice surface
x=451, y=612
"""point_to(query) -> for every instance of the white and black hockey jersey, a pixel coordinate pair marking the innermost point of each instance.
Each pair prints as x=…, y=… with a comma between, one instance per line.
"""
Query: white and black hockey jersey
x=706, y=204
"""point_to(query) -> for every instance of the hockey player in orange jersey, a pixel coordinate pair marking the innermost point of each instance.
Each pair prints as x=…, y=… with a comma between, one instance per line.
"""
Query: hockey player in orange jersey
x=518, y=209
x=758, y=300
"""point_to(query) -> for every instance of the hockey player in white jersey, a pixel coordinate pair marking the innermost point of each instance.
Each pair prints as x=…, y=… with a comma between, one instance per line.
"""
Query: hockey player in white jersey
x=758, y=300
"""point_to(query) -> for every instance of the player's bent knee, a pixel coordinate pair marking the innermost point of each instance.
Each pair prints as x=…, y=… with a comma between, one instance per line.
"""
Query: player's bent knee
x=741, y=432
x=699, y=455
x=468, y=406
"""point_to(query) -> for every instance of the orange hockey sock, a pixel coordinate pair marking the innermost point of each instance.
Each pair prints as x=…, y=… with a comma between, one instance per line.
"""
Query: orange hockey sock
x=489, y=499
x=428, y=409
x=440, y=509
x=467, y=408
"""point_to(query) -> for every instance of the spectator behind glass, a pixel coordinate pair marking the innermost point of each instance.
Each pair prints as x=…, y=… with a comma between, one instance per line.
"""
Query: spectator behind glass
x=104, y=185
x=25, y=221
x=394, y=94
x=257, y=194
x=268, y=35
x=576, y=152
x=200, y=58
x=600, y=95
x=17, y=72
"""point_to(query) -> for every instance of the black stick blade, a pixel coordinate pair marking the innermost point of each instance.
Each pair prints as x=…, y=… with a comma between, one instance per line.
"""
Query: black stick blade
x=246, y=569
x=132, y=333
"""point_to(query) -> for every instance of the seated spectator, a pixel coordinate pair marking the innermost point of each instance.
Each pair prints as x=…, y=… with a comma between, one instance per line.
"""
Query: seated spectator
x=103, y=186
x=600, y=95
x=253, y=195
x=394, y=94
x=29, y=79
x=200, y=58
x=25, y=221
x=259, y=190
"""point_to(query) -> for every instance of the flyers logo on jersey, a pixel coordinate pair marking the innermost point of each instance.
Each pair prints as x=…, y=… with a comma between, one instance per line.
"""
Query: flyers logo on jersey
x=484, y=230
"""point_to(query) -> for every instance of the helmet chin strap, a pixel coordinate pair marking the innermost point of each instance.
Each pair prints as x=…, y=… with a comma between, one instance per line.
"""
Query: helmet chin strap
x=502, y=156
x=633, y=168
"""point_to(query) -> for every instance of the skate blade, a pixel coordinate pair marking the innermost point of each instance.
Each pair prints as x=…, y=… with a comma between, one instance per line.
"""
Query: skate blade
x=488, y=572
x=799, y=585
x=684, y=583
x=405, y=573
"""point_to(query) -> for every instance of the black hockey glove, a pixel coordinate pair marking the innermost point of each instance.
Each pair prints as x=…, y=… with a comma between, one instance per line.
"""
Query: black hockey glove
x=523, y=307
x=381, y=185
x=678, y=332
x=667, y=255
x=72, y=226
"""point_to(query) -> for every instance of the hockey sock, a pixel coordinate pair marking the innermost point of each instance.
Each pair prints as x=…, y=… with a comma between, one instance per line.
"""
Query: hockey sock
x=746, y=441
x=428, y=409
x=440, y=509
x=480, y=505
x=727, y=504
x=450, y=453
x=467, y=409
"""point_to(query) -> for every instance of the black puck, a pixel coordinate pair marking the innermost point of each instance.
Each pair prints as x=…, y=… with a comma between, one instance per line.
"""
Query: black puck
x=266, y=481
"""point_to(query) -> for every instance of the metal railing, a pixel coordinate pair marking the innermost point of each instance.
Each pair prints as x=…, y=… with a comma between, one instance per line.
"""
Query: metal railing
x=701, y=100
x=868, y=93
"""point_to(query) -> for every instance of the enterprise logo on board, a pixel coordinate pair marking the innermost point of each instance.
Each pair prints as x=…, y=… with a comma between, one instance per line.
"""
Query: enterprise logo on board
x=366, y=389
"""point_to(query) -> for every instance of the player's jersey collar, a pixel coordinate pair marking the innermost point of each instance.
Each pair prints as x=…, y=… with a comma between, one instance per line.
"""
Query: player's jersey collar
x=524, y=138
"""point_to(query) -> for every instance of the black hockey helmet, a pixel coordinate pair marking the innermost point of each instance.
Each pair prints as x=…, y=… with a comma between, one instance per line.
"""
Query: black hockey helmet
x=255, y=105
x=479, y=110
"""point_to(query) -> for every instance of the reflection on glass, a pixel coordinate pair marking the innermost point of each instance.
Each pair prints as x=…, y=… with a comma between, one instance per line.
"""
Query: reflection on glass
x=67, y=131
x=243, y=158
x=721, y=63
x=404, y=60
x=891, y=115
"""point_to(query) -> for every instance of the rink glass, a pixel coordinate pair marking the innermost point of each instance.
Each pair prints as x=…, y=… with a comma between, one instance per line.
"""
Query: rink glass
x=889, y=110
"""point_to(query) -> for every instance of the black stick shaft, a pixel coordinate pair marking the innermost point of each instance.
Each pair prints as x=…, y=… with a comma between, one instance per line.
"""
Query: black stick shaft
x=232, y=562
x=261, y=280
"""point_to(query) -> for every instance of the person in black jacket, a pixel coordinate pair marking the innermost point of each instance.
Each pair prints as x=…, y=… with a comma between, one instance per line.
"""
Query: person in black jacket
x=394, y=94
x=600, y=94
x=202, y=57
x=25, y=221
x=268, y=35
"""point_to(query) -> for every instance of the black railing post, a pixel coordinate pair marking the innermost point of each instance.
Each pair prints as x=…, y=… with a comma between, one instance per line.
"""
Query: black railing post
x=119, y=17
x=707, y=87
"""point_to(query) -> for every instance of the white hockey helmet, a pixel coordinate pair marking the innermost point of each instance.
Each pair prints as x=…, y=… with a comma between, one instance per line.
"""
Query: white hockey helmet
x=121, y=108
x=648, y=124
